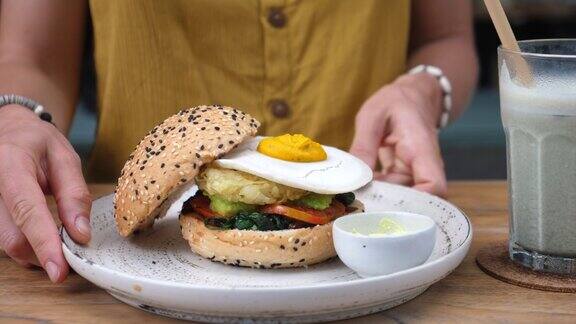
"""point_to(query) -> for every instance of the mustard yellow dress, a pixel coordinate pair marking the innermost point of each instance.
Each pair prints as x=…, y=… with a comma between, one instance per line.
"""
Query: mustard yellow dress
x=299, y=66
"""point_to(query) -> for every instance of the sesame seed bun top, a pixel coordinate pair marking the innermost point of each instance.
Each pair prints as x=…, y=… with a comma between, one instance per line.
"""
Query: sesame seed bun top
x=170, y=156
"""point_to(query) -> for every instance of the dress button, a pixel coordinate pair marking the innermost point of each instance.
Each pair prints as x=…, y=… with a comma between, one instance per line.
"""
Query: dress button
x=279, y=108
x=276, y=17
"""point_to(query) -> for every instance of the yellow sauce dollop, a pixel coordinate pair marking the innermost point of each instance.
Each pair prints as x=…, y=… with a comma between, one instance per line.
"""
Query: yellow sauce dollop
x=295, y=148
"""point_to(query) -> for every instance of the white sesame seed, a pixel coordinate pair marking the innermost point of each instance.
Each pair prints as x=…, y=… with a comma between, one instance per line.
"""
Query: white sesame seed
x=258, y=250
x=290, y=239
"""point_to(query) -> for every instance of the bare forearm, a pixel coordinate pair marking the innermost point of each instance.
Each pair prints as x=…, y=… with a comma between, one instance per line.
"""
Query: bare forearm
x=40, y=53
x=456, y=57
x=26, y=80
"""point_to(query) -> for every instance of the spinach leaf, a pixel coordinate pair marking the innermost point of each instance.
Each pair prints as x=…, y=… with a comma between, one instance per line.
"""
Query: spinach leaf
x=254, y=221
x=346, y=198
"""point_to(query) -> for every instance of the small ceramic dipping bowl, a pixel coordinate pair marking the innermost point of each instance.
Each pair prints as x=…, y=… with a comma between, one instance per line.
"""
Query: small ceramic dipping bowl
x=382, y=254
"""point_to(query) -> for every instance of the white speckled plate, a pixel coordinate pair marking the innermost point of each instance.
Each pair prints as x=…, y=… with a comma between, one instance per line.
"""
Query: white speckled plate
x=157, y=272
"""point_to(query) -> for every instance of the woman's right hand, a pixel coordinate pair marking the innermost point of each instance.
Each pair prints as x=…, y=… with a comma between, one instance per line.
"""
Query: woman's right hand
x=36, y=159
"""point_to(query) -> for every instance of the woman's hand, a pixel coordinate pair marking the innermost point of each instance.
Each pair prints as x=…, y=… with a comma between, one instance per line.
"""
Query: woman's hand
x=397, y=126
x=36, y=159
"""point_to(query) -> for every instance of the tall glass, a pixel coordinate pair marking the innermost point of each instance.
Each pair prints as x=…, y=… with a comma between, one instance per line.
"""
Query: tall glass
x=540, y=123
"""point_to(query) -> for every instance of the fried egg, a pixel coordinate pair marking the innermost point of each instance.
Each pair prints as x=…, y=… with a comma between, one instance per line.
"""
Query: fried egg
x=340, y=172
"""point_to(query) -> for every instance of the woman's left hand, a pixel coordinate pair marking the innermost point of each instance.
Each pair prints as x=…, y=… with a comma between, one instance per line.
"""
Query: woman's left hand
x=397, y=126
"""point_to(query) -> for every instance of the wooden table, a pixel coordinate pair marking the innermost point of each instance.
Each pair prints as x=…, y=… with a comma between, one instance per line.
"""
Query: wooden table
x=466, y=295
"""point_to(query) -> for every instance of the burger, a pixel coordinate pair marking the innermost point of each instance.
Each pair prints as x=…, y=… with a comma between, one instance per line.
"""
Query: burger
x=241, y=199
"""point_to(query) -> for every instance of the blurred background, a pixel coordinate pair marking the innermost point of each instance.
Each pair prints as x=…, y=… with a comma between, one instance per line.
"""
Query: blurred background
x=474, y=147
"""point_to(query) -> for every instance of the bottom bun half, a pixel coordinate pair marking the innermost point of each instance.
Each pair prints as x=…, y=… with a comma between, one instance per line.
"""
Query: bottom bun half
x=260, y=249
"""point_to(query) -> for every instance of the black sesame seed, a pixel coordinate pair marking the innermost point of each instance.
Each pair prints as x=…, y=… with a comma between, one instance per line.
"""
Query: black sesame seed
x=201, y=147
x=303, y=243
x=238, y=132
x=282, y=247
x=146, y=187
x=177, y=165
x=131, y=173
x=230, y=142
x=136, y=192
x=153, y=181
x=203, y=128
x=158, y=197
x=197, y=155
x=297, y=241
x=162, y=148
x=162, y=165
x=295, y=249
x=302, y=260
x=220, y=146
x=124, y=217
x=182, y=180
x=217, y=128
x=141, y=168
x=183, y=134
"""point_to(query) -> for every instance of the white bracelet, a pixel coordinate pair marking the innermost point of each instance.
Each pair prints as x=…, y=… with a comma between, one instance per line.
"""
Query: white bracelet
x=38, y=109
x=444, y=85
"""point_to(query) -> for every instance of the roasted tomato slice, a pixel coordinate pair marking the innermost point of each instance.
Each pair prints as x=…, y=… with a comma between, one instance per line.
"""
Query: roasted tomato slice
x=201, y=205
x=308, y=215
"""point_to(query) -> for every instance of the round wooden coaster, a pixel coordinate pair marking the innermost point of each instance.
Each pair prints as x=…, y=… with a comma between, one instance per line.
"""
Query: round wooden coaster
x=494, y=260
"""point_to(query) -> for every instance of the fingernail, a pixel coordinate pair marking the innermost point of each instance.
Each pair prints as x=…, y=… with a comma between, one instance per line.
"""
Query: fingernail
x=52, y=270
x=83, y=225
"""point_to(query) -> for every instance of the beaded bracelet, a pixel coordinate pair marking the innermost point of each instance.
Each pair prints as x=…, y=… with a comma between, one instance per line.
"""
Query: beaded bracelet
x=38, y=109
x=446, y=90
